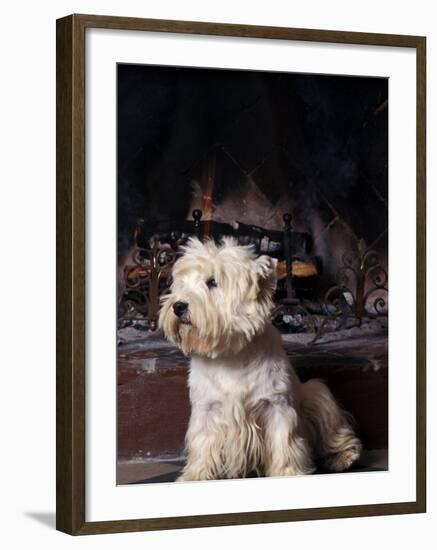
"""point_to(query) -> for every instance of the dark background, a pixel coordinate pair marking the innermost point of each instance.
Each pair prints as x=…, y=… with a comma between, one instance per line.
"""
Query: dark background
x=314, y=145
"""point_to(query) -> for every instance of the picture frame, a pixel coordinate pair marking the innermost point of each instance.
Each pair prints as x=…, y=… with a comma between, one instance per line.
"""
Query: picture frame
x=71, y=203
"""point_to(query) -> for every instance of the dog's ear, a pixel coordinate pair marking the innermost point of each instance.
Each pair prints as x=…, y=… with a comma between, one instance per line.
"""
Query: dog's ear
x=267, y=278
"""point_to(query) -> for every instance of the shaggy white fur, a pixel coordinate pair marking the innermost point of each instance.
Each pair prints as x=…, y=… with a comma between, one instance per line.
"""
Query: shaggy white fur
x=250, y=413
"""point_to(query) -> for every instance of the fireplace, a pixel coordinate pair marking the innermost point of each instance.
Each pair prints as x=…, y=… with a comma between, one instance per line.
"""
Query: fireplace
x=296, y=166
x=228, y=153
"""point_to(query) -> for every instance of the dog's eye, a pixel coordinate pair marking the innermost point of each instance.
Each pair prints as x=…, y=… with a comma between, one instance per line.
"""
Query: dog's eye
x=211, y=282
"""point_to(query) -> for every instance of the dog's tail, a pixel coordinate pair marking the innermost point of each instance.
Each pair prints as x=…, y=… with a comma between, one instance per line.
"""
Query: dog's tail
x=329, y=427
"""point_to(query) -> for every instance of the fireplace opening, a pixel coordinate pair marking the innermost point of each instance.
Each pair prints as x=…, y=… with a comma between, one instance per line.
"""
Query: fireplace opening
x=213, y=153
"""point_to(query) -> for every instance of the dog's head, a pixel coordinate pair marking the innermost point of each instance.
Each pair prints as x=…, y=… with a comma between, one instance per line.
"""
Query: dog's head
x=221, y=296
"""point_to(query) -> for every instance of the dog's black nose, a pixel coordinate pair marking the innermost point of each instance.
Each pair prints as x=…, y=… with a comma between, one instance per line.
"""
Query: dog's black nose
x=180, y=308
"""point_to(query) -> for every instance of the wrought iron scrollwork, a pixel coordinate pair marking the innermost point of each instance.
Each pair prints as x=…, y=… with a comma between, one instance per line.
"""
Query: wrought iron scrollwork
x=362, y=286
x=146, y=278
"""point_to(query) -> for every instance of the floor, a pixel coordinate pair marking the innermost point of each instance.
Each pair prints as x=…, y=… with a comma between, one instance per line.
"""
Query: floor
x=153, y=405
x=167, y=471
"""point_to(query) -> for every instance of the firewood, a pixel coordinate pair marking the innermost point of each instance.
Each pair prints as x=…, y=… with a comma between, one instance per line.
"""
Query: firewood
x=299, y=268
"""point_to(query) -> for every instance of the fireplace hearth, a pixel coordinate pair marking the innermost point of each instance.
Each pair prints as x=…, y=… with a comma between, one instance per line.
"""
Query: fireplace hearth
x=361, y=287
x=219, y=153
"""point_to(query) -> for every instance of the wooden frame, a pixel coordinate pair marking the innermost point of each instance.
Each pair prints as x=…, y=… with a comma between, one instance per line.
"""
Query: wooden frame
x=70, y=173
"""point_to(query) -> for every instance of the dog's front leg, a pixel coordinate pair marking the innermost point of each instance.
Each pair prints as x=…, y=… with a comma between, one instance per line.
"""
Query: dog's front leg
x=204, y=443
x=286, y=453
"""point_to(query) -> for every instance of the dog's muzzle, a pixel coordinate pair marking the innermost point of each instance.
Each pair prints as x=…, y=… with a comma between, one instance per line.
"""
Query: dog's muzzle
x=180, y=308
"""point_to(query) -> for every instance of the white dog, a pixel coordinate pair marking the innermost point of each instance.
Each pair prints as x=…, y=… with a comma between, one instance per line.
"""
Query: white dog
x=250, y=413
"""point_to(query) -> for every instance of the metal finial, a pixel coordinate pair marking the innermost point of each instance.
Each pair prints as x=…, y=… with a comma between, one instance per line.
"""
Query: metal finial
x=287, y=220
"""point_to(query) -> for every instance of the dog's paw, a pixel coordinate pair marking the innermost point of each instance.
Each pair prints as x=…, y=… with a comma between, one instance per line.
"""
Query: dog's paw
x=181, y=478
x=290, y=471
x=286, y=472
x=191, y=475
x=186, y=477
x=343, y=460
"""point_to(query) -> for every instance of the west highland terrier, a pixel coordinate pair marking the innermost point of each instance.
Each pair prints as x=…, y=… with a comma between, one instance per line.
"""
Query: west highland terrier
x=250, y=414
